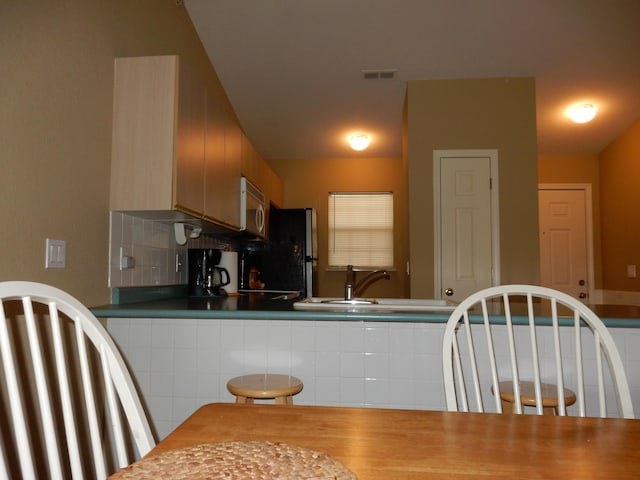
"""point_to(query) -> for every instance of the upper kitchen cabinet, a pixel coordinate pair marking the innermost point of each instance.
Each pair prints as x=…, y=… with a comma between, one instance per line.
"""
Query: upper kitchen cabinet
x=158, y=136
x=175, y=148
x=273, y=186
x=260, y=173
x=222, y=166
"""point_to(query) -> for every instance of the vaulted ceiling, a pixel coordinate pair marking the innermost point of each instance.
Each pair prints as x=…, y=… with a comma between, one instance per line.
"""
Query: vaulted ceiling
x=293, y=69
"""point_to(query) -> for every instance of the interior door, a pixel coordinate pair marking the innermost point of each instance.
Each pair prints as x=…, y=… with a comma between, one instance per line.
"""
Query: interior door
x=564, y=252
x=466, y=244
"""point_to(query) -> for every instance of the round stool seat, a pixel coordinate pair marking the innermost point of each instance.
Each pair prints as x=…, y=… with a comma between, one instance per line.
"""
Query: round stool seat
x=528, y=396
x=282, y=388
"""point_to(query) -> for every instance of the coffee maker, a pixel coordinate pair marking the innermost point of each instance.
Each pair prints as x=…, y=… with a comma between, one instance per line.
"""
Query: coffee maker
x=206, y=277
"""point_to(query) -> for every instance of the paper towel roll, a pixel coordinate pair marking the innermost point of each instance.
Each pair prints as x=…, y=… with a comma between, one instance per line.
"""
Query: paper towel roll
x=229, y=260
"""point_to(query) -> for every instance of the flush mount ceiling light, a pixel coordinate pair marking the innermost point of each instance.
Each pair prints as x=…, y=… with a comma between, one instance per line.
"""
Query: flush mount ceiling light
x=359, y=141
x=582, y=113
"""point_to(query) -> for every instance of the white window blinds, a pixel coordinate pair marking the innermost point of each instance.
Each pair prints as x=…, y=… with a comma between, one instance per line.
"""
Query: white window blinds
x=361, y=229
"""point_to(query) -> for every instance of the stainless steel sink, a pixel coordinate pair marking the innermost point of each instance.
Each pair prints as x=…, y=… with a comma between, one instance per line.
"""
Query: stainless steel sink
x=354, y=301
x=375, y=304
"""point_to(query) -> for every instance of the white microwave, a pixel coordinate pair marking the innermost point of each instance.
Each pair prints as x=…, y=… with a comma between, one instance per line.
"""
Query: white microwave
x=252, y=208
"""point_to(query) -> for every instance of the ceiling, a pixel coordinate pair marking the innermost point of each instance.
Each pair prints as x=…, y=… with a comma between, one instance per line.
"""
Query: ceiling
x=293, y=69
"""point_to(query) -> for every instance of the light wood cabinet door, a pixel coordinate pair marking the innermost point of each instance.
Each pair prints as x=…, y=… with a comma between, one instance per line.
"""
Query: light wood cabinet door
x=189, y=182
x=222, y=167
x=233, y=162
x=260, y=173
x=248, y=160
x=158, y=136
x=145, y=108
x=214, y=162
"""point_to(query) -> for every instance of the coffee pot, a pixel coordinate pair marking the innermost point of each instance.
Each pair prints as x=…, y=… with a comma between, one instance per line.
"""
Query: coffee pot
x=218, y=278
x=206, y=278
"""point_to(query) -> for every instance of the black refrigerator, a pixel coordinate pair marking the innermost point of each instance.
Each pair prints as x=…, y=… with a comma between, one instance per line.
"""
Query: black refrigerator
x=288, y=261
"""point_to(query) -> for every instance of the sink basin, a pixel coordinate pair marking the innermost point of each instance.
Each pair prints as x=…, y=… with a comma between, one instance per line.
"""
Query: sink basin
x=375, y=304
x=353, y=302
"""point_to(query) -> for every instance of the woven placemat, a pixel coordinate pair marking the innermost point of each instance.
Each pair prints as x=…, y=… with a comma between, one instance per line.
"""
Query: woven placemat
x=237, y=460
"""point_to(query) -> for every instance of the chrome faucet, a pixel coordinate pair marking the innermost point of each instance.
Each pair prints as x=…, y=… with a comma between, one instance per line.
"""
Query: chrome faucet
x=353, y=289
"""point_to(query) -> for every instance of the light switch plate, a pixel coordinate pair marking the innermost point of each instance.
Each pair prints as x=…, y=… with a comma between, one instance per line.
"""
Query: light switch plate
x=55, y=253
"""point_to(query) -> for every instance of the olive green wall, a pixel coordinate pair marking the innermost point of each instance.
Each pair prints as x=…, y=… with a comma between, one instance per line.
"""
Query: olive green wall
x=55, y=126
x=475, y=114
x=307, y=183
x=619, y=206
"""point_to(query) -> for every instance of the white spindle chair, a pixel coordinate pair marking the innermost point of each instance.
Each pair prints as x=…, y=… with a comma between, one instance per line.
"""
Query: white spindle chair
x=63, y=387
x=500, y=332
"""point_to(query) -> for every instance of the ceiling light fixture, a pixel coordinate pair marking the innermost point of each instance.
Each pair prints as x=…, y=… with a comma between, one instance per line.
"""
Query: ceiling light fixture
x=359, y=141
x=583, y=113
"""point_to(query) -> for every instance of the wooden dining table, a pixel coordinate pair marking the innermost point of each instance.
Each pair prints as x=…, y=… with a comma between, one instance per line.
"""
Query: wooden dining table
x=419, y=444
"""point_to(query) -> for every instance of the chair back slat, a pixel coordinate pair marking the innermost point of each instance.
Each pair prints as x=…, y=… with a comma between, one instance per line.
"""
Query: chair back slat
x=515, y=375
x=91, y=416
x=66, y=388
x=4, y=473
x=68, y=413
x=42, y=388
x=473, y=365
x=526, y=334
x=15, y=409
x=493, y=364
x=579, y=366
x=559, y=376
x=461, y=387
x=600, y=372
x=533, y=345
x=113, y=408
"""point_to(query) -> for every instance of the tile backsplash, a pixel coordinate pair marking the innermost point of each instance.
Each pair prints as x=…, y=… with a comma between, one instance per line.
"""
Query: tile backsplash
x=159, y=260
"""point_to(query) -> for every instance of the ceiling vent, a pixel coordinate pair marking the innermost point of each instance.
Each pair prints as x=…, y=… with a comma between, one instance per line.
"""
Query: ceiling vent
x=389, y=74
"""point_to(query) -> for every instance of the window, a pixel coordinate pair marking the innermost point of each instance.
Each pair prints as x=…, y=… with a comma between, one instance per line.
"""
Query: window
x=361, y=229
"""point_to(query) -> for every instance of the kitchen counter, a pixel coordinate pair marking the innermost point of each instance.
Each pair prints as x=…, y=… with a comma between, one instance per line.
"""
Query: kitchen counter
x=250, y=307
x=139, y=303
x=182, y=351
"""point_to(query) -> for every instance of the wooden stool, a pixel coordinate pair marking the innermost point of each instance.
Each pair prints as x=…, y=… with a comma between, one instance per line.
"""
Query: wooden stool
x=265, y=385
x=528, y=397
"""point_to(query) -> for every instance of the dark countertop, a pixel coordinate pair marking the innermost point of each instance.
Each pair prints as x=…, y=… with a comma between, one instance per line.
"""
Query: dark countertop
x=253, y=306
x=153, y=303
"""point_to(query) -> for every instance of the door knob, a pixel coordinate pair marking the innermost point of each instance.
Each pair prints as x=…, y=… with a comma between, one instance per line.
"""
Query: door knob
x=582, y=295
x=581, y=282
x=448, y=292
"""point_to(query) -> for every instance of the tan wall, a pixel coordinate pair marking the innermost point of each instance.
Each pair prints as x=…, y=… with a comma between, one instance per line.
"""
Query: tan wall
x=55, y=126
x=307, y=183
x=619, y=206
x=475, y=114
x=577, y=169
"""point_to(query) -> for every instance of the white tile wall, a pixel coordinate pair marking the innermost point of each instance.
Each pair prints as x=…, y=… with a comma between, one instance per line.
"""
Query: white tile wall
x=152, y=244
x=153, y=247
x=182, y=364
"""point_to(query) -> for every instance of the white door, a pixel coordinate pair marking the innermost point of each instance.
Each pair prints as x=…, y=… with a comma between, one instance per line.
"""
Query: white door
x=466, y=249
x=564, y=245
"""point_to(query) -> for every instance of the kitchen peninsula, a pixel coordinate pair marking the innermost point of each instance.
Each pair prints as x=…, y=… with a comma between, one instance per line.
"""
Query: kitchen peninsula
x=183, y=351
